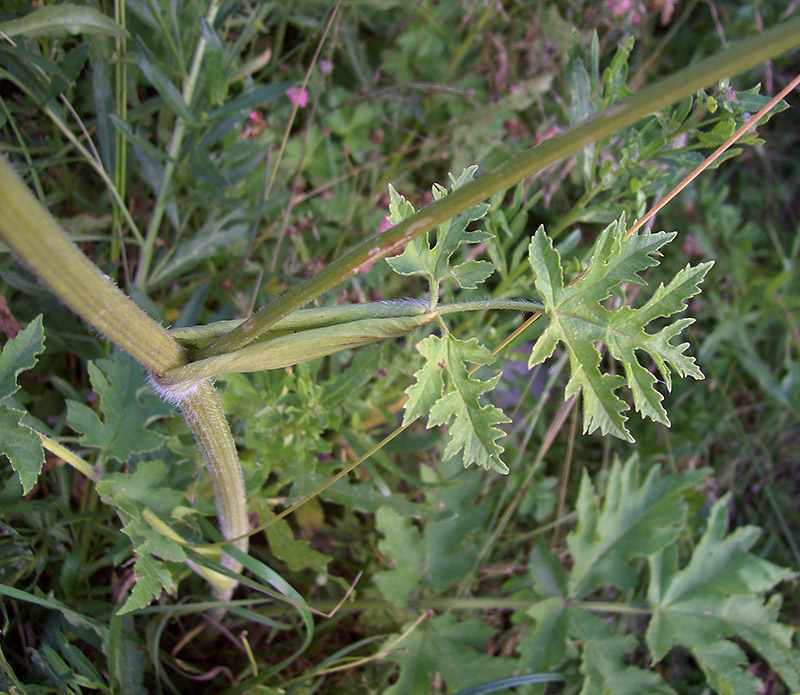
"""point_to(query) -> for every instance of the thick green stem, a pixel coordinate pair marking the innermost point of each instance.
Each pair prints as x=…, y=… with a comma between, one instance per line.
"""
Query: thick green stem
x=739, y=57
x=35, y=237
x=202, y=410
x=31, y=233
x=291, y=349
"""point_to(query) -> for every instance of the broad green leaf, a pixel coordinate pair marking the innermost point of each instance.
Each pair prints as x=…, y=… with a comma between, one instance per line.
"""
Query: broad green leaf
x=22, y=446
x=634, y=520
x=452, y=538
x=18, y=442
x=450, y=648
x=402, y=545
x=545, y=646
x=434, y=264
x=122, y=429
x=62, y=19
x=578, y=320
x=473, y=432
x=718, y=595
x=19, y=354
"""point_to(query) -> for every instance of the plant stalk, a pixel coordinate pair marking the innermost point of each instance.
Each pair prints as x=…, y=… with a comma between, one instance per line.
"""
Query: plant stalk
x=35, y=237
x=178, y=133
x=739, y=57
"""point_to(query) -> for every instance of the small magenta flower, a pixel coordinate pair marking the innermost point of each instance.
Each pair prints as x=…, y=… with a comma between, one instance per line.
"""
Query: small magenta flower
x=325, y=66
x=298, y=97
x=619, y=7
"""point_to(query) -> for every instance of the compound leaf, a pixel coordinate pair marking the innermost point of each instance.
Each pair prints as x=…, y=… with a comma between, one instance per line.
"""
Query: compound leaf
x=718, y=595
x=434, y=264
x=634, y=520
x=122, y=430
x=578, y=320
x=474, y=432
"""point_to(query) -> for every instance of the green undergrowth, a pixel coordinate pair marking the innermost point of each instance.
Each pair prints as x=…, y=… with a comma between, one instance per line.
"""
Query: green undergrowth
x=569, y=515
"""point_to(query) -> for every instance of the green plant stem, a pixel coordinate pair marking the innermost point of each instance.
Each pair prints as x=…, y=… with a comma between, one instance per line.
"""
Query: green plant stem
x=291, y=349
x=305, y=319
x=739, y=57
x=203, y=412
x=35, y=237
x=178, y=133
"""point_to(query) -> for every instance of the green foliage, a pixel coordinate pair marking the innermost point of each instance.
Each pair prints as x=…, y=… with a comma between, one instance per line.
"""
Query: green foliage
x=474, y=432
x=18, y=441
x=132, y=494
x=450, y=648
x=719, y=594
x=579, y=321
x=122, y=429
x=635, y=520
x=434, y=263
x=650, y=592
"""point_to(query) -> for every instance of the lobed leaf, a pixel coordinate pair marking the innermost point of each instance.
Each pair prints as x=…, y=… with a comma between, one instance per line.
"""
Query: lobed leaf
x=474, y=432
x=434, y=264
x=122, y=430
x=716, y=596
x=634, y=520
x=18, y=442
x=578, y=320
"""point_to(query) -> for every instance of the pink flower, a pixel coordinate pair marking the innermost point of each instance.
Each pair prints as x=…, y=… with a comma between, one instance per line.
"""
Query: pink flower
x=619, y=7
x=325, y=66
x=299, y=97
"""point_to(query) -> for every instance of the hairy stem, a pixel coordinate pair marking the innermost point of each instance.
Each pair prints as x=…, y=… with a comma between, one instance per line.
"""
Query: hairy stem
x=35, y=237
x=739, y=57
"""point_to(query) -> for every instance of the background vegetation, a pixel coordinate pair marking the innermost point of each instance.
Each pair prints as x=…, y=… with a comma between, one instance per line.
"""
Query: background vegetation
x=238, y=180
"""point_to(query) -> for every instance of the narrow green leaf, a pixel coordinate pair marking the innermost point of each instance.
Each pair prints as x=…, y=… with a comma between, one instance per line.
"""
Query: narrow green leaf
x=61, y=20
x=159, y=79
